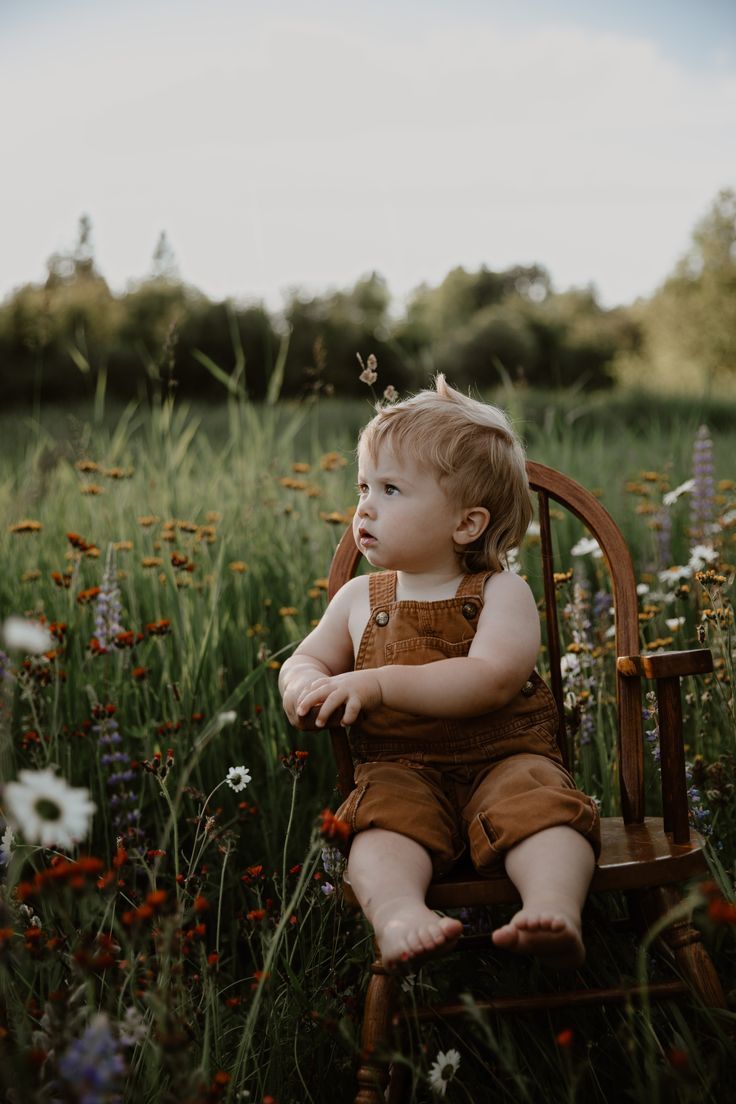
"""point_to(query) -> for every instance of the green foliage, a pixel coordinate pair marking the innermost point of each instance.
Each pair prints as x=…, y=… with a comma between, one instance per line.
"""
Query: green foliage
x=689, y=325
x=224, y=983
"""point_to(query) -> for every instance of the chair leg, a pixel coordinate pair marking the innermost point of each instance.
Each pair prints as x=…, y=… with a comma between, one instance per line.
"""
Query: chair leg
x=685, y=943
x=373, y=1073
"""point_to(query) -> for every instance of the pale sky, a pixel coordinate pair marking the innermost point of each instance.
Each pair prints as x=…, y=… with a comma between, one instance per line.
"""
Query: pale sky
x=295, y=143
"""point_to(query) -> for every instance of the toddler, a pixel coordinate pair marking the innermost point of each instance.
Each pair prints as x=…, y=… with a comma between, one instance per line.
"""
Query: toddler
x=432, y=660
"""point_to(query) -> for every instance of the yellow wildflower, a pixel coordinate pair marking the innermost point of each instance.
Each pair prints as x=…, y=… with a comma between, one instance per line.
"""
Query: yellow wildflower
x=301, y=468
x=87, y=466
x=187, y=526
x=148, y=520
x=122, y=546
x=92, y=489
x=117, y=473
x=331, y=461
x=321, y=583
x=288, y=611
x=151, y=561
x=30, y=575
x=25, y=526
x=337, y=518
x=212, y=516
x=238, y=566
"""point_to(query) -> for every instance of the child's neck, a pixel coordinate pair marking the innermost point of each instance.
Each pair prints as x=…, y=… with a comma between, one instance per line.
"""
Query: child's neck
x=429, y=586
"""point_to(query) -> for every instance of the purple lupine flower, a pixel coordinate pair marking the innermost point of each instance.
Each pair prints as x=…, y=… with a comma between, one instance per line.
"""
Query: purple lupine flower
x=122, y=800
x=92, y=1064
x=108, y=610
x=4, y=666
x=662, y=524
x=703, y=494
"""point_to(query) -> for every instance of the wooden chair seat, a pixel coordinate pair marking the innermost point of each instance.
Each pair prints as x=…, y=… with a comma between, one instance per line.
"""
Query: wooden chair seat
x=632, y=856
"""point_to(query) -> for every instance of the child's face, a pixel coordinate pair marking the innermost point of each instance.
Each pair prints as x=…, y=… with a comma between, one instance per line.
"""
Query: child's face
x=404, y=520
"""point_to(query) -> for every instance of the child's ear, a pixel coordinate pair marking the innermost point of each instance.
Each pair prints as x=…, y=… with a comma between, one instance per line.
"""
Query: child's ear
x=472, y=525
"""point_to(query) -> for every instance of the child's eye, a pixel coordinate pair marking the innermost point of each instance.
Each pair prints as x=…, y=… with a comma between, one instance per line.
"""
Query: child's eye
x=390, y=489
x=361, y=488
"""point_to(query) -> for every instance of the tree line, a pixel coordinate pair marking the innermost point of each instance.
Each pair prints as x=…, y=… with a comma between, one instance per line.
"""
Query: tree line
x=57, y=338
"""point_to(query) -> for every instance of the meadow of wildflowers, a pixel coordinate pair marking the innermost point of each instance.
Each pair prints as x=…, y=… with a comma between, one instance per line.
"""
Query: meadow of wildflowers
x=171, y=925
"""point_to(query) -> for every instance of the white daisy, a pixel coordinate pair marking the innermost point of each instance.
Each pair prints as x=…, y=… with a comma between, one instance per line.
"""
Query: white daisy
x=674, y=623
x=587, y=546
x=46, y=810
x=701, y=555
x=443, y=1070
x=238, y=778
x=226, y=718
x=675, y=574
x=30, y=637
x=6, y=846
x=672, y=496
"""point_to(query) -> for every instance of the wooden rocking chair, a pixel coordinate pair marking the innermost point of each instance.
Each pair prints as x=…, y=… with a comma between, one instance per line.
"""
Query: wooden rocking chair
x=643, y=856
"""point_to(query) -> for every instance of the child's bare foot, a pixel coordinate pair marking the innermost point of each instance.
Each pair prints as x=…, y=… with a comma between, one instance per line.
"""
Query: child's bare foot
x=548, y=933
x=411, y=932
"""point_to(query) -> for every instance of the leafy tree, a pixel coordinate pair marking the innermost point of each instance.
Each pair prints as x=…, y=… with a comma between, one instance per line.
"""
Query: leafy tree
x=690, y=323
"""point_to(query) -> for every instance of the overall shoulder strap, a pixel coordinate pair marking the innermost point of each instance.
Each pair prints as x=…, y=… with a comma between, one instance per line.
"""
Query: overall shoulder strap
x=381, y=588
x=472, y=585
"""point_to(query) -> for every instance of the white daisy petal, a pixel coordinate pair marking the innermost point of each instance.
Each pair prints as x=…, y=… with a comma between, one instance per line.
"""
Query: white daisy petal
x=30, y=637
x=587, y=546
x=672, y=496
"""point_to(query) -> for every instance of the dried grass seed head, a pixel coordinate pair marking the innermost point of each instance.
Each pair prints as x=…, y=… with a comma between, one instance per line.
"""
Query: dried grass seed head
x=477, y=456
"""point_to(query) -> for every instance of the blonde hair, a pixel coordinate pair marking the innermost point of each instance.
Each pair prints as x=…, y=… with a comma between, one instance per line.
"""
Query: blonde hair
x=476, y=454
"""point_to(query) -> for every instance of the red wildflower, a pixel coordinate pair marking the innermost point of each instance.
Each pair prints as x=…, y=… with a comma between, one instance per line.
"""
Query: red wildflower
x=332, y=828
x=86, y=596
x=677, y=1058
x=158, y=628
x=564, y=1038
x=722, y=912
x=139, y=673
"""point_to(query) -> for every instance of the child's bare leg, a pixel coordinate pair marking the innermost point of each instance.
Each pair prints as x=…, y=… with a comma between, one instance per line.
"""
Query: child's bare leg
x=389, y=874
x=552, y=871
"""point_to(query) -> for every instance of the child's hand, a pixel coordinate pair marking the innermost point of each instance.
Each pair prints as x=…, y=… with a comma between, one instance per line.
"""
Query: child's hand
x=356, y=691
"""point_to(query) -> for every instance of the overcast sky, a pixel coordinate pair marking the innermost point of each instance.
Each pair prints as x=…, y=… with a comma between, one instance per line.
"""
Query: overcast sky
x=295, y=143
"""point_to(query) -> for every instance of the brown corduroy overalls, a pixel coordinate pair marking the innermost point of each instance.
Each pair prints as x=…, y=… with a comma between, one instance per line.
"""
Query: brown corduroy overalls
x=484, y=782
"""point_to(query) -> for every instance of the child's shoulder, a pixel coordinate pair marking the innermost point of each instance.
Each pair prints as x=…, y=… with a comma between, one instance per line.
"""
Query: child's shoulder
x=354, y=590
x=506, y=586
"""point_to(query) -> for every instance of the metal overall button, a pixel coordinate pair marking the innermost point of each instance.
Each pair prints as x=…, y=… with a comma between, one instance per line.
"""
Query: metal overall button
x=528, y=689
x=470, y=610
x=381, y=618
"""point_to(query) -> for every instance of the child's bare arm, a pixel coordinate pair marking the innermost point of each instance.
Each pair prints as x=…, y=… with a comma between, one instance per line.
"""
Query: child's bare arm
x=500, y=660
x=326, y=651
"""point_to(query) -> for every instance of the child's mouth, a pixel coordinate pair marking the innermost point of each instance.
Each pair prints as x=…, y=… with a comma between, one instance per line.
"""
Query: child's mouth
x=366, y=539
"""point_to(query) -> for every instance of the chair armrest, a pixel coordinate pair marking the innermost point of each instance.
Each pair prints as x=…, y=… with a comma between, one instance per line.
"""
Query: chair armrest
x=658, y=665
x=667, y=668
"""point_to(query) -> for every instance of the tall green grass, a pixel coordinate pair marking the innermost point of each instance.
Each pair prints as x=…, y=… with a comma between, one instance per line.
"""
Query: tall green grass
x=246, y=975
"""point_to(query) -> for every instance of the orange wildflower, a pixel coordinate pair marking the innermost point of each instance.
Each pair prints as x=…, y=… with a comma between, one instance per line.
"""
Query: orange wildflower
x=332, y=828
x=62, y=580
x=88, y=595
x=564, y=1038
x=238, y=566
x=92, y=489
x=25, y=526
x=159, y=628
x=722, y=912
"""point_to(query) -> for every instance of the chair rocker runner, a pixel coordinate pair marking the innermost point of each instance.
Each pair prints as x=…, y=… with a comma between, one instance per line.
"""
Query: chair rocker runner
x=643, y=856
